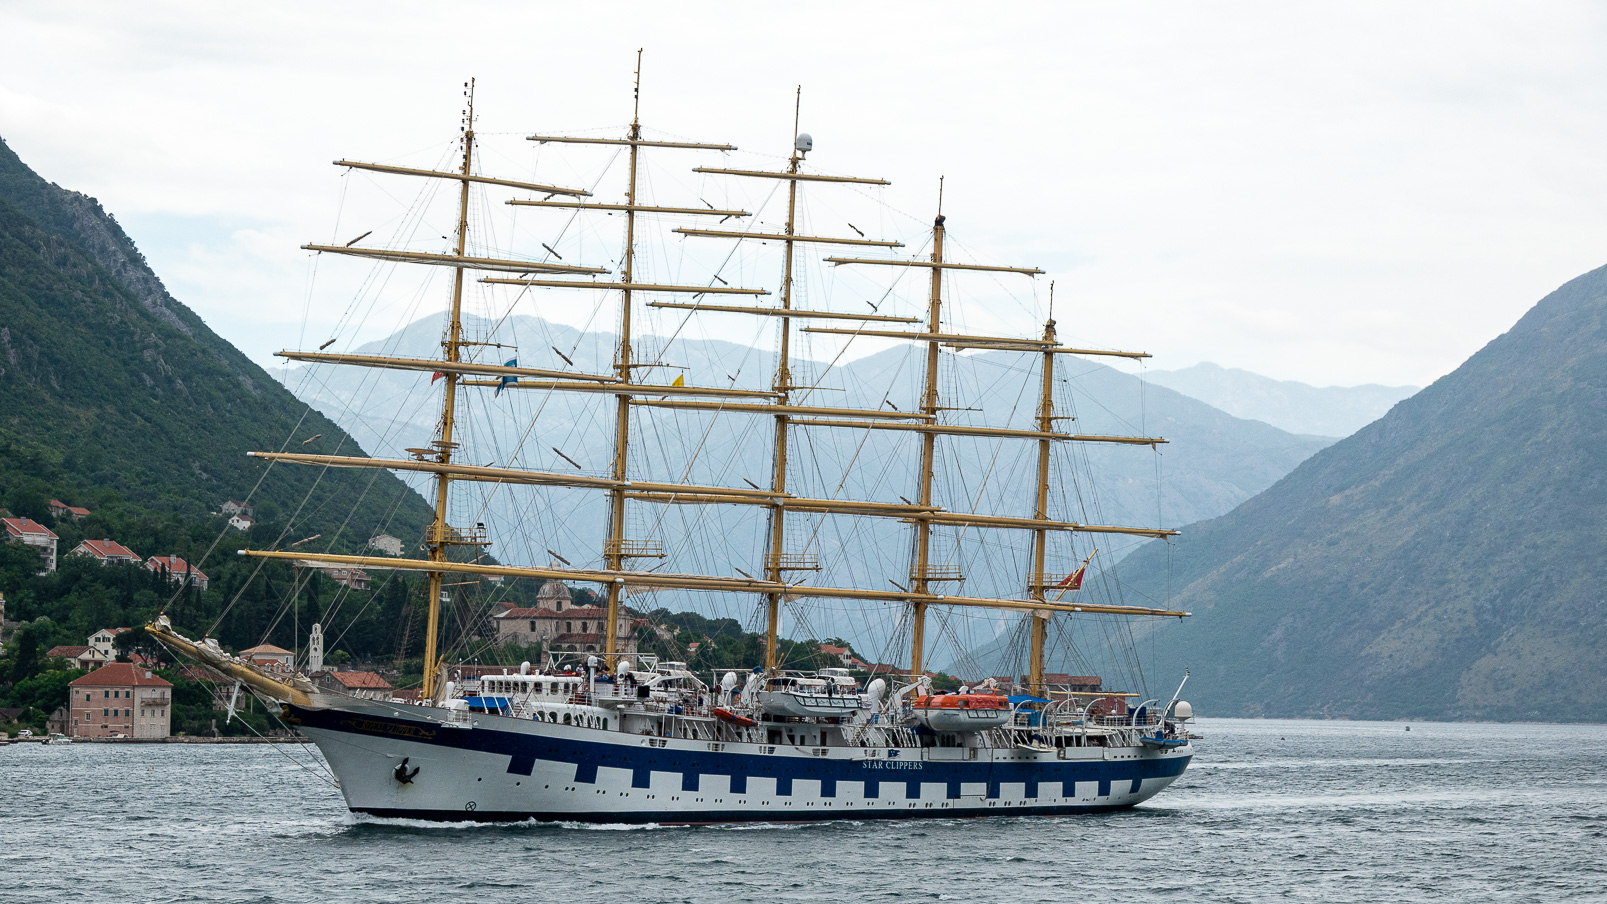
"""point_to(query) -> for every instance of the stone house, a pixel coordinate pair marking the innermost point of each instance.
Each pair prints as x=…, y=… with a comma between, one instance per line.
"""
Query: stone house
x=59, y=510
x=364, y=685
x=120, y=698
x=105, y=641
x=277, y=658
x=353, y=578
x=561, y=626
x=236, y=508
x=1060, y=682
x=841, y=654
x=32, y=533
x=82, y=657
x=386, y=544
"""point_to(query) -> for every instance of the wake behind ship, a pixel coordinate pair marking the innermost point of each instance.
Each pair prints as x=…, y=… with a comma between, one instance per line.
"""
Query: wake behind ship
x=599, y=732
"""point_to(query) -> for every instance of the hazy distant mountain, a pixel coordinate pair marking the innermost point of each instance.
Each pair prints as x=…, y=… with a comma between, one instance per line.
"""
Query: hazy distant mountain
x=1447, y=561
x=1213, y=460
x=1296, y=407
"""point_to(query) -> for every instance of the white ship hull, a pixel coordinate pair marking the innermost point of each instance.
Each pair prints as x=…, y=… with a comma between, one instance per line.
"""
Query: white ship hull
x=496, y=768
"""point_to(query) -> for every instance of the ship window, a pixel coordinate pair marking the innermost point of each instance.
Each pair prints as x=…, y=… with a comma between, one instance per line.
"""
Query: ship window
x=566, y=718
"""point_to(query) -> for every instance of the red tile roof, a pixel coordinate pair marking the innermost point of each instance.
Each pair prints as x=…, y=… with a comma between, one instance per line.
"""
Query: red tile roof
x=122, y=674
x=106, y=549
x=173, y=564
x=267, y=648
x=23, y=527
x=361, y=681
x=65, y=651
x=830, y=650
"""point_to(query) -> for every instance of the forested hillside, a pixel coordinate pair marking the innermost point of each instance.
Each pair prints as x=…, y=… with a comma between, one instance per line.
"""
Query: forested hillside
x=116, y=398
x=108, y=383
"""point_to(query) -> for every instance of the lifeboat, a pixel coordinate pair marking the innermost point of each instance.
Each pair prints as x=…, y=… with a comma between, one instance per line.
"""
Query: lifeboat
x=962, y=712
x=807, y=698
x=725, y=715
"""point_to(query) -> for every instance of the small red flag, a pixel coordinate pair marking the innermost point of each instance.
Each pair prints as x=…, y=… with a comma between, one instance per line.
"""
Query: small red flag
x=1073, y=581
x=436, y=376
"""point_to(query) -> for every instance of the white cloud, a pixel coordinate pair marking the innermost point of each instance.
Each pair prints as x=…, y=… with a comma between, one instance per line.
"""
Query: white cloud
x=1337, y=193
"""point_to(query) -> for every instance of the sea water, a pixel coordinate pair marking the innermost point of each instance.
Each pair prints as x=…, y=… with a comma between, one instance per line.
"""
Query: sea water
x=1269, y=811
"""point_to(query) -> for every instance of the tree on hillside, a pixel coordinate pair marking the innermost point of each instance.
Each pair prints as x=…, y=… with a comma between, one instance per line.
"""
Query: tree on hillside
x=25, y=655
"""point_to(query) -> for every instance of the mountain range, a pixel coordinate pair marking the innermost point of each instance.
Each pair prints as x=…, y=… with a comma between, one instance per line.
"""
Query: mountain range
x=1285, y=404
x=1211, y=462
x=1445, y=561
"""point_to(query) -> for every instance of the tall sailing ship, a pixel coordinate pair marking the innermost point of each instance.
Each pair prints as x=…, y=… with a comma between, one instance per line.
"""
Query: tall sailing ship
x=602, y=738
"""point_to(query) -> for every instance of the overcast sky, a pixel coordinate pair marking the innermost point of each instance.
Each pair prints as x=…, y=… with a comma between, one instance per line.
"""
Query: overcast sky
x=1337, y=193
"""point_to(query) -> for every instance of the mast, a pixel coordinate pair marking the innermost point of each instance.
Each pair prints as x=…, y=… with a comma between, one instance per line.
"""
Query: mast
x=783, y=389
x=438, y=462
x=923, y=529
x=614, y=549
x=439, y=537
x=1039, y=619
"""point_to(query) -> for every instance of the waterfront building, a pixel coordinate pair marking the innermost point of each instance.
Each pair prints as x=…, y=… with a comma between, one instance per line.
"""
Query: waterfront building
x=120, y=699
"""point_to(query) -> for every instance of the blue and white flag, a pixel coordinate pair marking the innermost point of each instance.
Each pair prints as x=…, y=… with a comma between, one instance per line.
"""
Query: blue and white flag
x=505, y=382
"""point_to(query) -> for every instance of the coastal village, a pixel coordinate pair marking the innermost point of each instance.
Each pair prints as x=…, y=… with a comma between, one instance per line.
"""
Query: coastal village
x=122, y=695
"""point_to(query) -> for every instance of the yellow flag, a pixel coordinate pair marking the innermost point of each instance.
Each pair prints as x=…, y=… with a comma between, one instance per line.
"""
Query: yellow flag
x=679, y=381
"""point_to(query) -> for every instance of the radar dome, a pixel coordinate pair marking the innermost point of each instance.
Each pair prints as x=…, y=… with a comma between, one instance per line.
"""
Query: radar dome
x=1183, y=710
x=805, y=142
